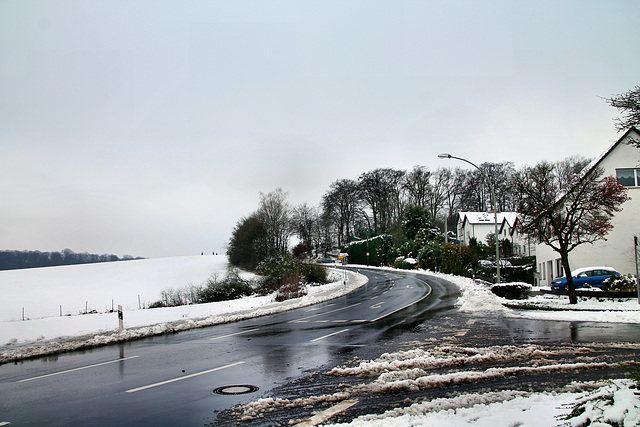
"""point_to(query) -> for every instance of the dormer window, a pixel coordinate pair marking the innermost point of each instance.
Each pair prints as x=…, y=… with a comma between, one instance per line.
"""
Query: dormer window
x=628, y=177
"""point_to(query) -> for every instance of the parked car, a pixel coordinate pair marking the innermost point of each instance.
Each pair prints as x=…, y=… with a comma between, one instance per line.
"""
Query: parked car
x=585, y=277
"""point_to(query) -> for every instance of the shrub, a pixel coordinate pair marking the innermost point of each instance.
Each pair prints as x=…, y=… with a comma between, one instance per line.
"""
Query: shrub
x=622, y=283
x=213, y=290
x=174, y=297
x=285, y=271
x=508, y=273
x=230, y=288
x=430, y=255
x=313, y=273
x=405, y=263
x=458, y=260
x=511, y=290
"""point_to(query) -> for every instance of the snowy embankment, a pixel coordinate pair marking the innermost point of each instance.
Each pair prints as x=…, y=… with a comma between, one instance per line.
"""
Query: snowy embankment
x=98, y=287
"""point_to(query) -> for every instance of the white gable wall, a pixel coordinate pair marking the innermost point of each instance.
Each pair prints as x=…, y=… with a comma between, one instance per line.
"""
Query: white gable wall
x=617, y=250
x=476, y=224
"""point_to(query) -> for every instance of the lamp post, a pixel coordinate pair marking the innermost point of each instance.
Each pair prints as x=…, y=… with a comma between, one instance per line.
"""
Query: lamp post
x=493, y=203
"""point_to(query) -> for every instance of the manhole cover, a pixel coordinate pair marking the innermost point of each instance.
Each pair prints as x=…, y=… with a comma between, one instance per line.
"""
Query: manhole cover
x=236, y=389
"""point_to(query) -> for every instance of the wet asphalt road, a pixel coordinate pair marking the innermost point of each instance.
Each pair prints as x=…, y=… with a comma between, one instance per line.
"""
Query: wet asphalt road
x=170, y=379
x=444, y=328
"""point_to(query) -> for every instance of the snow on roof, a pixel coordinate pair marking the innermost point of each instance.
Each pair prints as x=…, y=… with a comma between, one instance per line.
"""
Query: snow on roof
x=488, y=217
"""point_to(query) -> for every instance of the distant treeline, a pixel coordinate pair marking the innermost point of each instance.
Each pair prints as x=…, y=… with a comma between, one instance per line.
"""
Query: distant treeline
x=13, y=260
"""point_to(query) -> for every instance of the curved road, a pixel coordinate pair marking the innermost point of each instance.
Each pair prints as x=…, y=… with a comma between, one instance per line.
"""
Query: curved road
x=171, y=379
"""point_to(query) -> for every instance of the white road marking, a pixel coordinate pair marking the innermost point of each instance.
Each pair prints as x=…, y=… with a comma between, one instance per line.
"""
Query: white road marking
x=232, y=335
x=463, y=332
x=323, y=416
x=133, y=390
x=339, y=321
x=378, y=305
x=4, y=423
x=319, y=308
x=408, y=305
x=330, y=335
x=326, y=312
x=76, y=369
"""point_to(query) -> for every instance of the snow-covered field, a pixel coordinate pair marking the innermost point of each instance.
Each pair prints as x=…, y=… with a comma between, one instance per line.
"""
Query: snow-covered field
x=135, y=284
x=41, y=291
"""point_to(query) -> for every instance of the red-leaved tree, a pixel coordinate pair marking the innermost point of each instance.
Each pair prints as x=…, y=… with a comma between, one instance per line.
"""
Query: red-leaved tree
x=565, y=212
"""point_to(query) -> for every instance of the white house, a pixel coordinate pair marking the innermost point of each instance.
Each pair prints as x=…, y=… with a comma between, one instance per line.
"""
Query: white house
x=521, y=244
x=480, y=224
x=621, y=160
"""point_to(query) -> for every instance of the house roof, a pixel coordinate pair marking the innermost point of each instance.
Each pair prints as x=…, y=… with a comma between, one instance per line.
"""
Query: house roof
x=476, y=218
x=596, y=162
x=510, y=221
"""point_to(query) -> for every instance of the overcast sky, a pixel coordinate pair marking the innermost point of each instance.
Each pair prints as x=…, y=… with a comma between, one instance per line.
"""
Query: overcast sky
x=151, y=127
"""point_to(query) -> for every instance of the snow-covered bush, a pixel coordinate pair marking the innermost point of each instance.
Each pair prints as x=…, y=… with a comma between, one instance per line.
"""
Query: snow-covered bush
x=405, y=263
x=230, y=288
x=286, y=274
x=214, y=289
x=622, y=283
x=512, y=290
x=614, y=405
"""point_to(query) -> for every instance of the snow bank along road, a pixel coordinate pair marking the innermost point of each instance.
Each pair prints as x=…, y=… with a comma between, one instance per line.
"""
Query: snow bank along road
x=170, y=379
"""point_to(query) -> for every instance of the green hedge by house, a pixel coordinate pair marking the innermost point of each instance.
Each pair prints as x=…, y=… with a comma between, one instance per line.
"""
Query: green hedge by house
x=375, y=246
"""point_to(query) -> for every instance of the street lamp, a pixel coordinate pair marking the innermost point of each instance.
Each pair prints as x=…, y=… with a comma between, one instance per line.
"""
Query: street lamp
x=493, y=203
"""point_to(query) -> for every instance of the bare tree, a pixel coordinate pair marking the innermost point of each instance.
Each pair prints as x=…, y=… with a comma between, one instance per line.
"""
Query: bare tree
x=340, y=206
x=454, y=189
x=439, y=183
x=381, y=189
x=628, y=104
x=275, y=215
x=304, y=220
x=416, y=184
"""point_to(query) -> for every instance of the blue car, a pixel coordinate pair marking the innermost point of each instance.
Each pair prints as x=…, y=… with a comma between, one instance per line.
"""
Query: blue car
x=585, y=277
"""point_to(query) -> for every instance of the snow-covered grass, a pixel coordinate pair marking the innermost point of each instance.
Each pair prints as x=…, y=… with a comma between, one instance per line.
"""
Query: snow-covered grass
x=611, y=404
x=135, y=284
x=478, y=298
x=70, y=286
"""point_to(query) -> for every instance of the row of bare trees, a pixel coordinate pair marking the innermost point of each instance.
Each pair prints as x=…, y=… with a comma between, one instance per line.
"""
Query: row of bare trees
x=374, y=204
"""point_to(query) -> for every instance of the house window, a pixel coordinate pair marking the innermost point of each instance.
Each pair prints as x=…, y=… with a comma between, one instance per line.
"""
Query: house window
x=628, y=177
